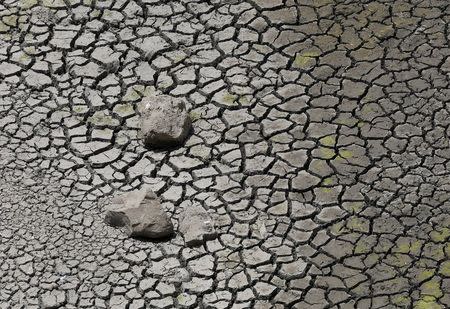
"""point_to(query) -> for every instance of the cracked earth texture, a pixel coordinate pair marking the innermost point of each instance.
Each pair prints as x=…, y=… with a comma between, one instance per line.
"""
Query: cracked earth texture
x=320, y=145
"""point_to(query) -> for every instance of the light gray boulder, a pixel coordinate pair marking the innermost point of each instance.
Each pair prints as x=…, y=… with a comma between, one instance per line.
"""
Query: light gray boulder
x=140, y=213
x=165, y=121
x=196, y=225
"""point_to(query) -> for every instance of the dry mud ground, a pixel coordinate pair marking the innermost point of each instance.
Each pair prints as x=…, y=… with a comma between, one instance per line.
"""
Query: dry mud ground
x=320, y=146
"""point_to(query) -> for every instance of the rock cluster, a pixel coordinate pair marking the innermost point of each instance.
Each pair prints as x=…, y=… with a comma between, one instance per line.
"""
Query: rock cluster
x=140, y=213
x=164, y=123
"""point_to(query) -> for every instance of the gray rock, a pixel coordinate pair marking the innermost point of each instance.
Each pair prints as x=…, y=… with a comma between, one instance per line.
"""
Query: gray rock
x=164, y=121
x=196, y=225
x=141, y=214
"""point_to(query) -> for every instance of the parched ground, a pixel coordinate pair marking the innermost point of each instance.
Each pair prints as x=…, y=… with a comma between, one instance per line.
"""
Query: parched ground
x=320, y=146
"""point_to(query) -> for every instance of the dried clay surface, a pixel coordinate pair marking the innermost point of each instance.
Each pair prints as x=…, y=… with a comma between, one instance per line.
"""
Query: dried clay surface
x=319, y=147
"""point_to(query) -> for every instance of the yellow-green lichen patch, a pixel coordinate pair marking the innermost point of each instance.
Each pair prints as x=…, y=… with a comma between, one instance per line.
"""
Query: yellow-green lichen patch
x=80, y=109
x=358, y=224
x=3, y=27
x=441, y=234
x=229, y=98
x=95, y=13
x=327, y=181
x=425, y=274
x=367, y=109
x=319, y=3
x=383, y=31
x=137, y=92
x=431, y=288
x=24, y=58
x=349, y=122
x=326, y=153
x=353, y=207
x=26, y=4
x=244, y=100
x=101, y=118
x=372, y=259
x=124, y=109
x=444, y=269
x=361, y=124
x=345, y=153
x=401, y=300
x=427, y=302
x=329, y=141
x=404, y=21
x=326, y=190
x=194, y=115
x=10, y=20
x=362, y=247
x=164, y=84
x=54, y=3
x=338, y=229
x=398, y=259
x=412, y=247
x=305, y=59
x=132, y=95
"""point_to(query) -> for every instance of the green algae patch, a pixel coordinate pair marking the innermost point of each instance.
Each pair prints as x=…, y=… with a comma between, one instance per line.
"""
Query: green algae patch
x=441, y=234
x=305, y=59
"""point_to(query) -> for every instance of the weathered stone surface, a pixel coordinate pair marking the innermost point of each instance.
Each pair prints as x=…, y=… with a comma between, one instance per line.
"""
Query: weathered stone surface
x=196, y=225
x=140, y=213
x=164, y=121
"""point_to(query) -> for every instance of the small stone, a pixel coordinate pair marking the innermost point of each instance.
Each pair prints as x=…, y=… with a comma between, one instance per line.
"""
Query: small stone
x=196, y=226
x=141, y=214
x=164, y=121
